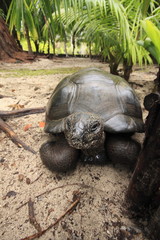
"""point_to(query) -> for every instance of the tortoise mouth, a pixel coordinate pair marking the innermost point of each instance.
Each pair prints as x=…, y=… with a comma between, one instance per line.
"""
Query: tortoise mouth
x=81, y=144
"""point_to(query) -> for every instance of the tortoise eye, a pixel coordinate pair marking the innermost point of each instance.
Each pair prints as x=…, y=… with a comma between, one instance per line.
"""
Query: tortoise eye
x=94, y=126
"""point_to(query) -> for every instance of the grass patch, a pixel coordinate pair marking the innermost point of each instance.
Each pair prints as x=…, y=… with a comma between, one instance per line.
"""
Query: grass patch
x=30, y=72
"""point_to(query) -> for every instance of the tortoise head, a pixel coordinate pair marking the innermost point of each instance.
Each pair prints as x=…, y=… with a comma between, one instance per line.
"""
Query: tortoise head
x=84, y=130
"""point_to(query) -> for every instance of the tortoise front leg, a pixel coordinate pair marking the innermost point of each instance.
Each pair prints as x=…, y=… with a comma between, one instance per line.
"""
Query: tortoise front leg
x=122, y=149
x=58, y=156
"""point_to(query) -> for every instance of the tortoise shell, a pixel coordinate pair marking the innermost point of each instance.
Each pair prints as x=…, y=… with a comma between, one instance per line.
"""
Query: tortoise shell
x=94, y=91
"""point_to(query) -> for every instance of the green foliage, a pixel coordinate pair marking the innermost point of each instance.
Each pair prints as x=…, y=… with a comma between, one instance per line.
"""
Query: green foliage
x=2, y=13
x=110, y=28
x=20, y=15
x=152, y=42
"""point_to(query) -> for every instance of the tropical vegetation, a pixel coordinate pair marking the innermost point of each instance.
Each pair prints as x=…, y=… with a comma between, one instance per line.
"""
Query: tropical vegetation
x=151, y=43
x=112, y=30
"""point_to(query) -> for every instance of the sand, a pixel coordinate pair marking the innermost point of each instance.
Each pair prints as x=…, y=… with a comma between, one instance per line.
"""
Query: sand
x=101, y=212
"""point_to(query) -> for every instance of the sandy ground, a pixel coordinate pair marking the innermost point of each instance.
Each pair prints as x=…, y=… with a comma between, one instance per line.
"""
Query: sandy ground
x=101, y=211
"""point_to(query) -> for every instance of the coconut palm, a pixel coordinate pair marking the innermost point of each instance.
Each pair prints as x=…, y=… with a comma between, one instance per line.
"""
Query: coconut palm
x=29, y=16
x=20, y=17
x=110, y=27
x=113, y=27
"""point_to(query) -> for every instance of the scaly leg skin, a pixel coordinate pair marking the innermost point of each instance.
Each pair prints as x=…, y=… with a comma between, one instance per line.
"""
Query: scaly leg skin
x=94, y=156
x=58, y=155
x=122, y=149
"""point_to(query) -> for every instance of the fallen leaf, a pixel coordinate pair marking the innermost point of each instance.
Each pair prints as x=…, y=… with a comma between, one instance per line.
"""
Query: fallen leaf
x=11, y=193
x=20, y=177
x=13, y=164
x=2, y=160
x=28, y=180
x=27, y=127
x=41, y=124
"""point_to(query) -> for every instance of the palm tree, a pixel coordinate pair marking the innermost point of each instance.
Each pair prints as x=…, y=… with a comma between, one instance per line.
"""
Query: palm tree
x=21, y=18
x=28, y=18
x=113, y=27
x=10, y=50
x=110, y=28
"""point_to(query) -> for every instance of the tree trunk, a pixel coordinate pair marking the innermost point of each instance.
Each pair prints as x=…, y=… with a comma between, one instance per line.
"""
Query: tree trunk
x=48, y=47
x=113, y=63
x=145, y=181
x=90, y=49
x=9, y=50
x=144, y=187
x=36, y=43
x=65, y=46
x=44, y=43
x=114, y=68
x=54, y=47
x=28, y=40
x=127, y=68
x=73, y=43
x=14, y=35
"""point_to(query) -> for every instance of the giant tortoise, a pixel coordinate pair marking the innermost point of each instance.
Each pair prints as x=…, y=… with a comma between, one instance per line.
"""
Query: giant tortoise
x=91, y=115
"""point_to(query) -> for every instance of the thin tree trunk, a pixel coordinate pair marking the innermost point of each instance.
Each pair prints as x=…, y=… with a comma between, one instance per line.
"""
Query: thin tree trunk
x=54, y=47
x=114, y=68
x=28, y=40
x=113, y=64
x=44, y=43
x=127, y=68
x=14, y=34
x=90, y=50
x=73, y=43
x=36, y=46
x=65, y=46
x=48, y=46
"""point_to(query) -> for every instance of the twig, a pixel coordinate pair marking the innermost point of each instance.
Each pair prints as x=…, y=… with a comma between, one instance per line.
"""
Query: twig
x=32, y=217
x=50, y=190
x=3, y=96
x=8, y=130
x=39, y=234
x=62, y=186
x=17, y=113
x=21, y=112
x=37, y=178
